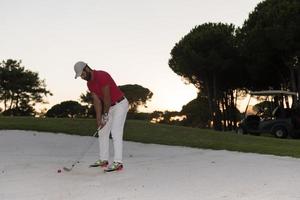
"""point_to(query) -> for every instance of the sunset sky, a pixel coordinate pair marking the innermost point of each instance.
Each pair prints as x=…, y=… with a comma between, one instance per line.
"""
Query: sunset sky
x=130, y=39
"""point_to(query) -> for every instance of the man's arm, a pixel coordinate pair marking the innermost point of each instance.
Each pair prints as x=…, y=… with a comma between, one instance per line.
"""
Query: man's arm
x=106, y=99
x=98, y=109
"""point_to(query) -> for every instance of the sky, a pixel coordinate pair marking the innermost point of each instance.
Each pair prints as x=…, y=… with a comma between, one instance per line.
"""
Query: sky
x=131, y=40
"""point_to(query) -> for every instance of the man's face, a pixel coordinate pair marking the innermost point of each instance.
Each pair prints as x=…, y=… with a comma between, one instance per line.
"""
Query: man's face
x=86, y=75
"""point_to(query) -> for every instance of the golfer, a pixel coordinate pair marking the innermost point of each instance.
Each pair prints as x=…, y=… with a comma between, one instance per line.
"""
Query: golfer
x=111, y=108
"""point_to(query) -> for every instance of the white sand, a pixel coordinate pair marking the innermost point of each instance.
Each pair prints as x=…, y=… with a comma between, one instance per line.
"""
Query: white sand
x=29, y=162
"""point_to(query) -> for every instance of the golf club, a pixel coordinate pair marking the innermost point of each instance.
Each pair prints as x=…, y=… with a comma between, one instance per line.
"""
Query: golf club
x=82, y=154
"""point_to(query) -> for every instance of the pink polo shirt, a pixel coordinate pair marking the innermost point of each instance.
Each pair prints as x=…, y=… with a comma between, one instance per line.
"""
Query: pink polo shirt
x=101, y=79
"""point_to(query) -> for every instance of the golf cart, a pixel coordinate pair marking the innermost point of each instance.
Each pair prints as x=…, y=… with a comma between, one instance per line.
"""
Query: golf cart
x=272, y=115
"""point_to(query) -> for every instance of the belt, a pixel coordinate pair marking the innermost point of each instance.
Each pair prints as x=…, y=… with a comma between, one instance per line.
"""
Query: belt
x=122, y=98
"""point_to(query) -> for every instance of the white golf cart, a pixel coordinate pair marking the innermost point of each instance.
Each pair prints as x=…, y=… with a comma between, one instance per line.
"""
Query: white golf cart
x=274, y=115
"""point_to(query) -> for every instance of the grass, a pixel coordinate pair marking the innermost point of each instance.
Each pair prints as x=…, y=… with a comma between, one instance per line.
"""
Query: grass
x=141, y=131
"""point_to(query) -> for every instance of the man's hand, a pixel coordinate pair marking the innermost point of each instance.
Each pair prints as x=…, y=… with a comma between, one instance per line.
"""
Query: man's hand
x=105, y=118
x=102, y=122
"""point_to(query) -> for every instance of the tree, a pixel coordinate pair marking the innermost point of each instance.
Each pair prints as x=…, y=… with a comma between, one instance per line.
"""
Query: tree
x=69, y=109
x=20, y=89
x=168, y=117
x=270, y=44
x=137, y=96
x=208, y=58
x=197, y=113
x=156, y=116
x=22, y=110
x=87, y=99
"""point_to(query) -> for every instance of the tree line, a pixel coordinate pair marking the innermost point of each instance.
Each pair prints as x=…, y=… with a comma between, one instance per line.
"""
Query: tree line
x=224, y=62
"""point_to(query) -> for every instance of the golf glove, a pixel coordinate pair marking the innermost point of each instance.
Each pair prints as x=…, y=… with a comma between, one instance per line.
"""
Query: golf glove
x=105, y=118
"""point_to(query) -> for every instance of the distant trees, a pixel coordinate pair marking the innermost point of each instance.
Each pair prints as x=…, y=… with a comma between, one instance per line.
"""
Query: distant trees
x=67, y=109
x=197, y=113
x=87, y=100
x=137, y=96
x=20, y=89
x=166, y=117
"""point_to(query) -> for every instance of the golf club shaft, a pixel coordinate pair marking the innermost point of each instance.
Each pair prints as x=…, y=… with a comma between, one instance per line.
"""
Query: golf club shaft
x=83, y=153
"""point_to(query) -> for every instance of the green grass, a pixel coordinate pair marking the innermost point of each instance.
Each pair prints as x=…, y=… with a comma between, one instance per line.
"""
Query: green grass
x=141, y=131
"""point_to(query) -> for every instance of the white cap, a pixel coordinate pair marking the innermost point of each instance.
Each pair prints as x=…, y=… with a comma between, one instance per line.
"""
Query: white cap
x=78, y=67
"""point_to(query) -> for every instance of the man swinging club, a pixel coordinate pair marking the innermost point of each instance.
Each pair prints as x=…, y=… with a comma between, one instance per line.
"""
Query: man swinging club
x=111, y=108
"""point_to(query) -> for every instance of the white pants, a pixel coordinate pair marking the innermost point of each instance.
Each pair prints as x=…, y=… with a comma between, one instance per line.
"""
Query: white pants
x=115, y=125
